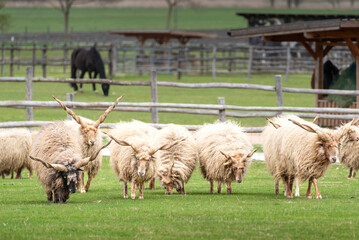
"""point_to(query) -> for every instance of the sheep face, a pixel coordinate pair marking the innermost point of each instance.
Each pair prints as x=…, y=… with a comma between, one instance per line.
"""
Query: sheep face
x=71, y=177
x=170, y=180
x=143, y=160
x=89, y=133
x=235, y=164
x=328, y=149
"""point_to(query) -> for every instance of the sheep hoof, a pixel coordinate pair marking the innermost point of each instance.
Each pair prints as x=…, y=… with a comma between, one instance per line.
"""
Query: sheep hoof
x=95, y=91
x=140, y=197
x=83, y=191
x=133, y=196
x=297, y=194
x=125, y=196
x=319, y=197
x=81, y=91
x=309, y=197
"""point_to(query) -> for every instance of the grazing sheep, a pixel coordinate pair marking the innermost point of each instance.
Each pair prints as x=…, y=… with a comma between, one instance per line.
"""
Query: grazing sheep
x=178, y=162
x=133, y=157
x=90, y=139
x=58, y=160
x=15, y=148
x=348, y=146
x=303, y=152
x=224, y=153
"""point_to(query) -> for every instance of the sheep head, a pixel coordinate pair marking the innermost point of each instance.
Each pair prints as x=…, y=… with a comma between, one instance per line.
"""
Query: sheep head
x=89, y=130
x=348, y=132
x=170, y=179
x=328, y=146
x=143, y=154
x=70, y=171
x=235, y=163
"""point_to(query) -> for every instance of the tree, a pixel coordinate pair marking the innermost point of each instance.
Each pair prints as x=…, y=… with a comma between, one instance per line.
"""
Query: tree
x=4, y=18
x=65, y=6
x=172, y=5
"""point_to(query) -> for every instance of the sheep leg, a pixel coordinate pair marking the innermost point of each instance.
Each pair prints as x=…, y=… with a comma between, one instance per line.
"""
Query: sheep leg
x=56, y=197
x=89, y=179
x=276, y=186
x=125, y=194
x=182, y=190
x=18, y=174
x=82, y=182
x=133, y=190
x=229, y=188
x=297, y=194
x=30, y=174
x=317, y=193
x=153, y=184
x=355, y=173
x=308, y=195
x=140, y=194
x=350, y=173
x=219, y=189
x=284, y=180
x=2, y=175
x=49, y=195
x=290, y=180
x=12, y=174
x=211, y=189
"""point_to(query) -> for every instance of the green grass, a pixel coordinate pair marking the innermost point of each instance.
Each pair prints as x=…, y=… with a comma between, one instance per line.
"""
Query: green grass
x=252, y=212
x=238, y=97
x=104, y=19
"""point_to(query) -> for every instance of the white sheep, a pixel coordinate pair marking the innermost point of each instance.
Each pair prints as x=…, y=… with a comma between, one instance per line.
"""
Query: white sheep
x=177, y=163
x=224, y=153
x=90, y=139
x=133, y=157
x=15, y=148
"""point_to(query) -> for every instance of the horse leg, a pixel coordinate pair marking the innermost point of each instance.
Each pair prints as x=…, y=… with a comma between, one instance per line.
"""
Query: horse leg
x=82, y=76
x=73, y=75
x=93, y=84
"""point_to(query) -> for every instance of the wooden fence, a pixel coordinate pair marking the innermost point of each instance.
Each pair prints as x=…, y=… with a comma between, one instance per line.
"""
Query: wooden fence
x=221, y=109
x=130, y=57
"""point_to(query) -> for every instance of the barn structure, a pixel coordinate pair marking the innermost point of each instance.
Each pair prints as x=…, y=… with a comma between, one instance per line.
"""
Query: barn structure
x=323, y=35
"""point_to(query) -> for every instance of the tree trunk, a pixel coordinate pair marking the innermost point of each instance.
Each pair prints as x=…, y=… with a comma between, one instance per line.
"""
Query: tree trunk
x=170, y=8
x=272, y=3
x=66, y=15
x=289, y=3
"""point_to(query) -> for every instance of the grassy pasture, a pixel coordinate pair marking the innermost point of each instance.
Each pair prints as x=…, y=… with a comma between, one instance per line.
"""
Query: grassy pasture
x=252, y=212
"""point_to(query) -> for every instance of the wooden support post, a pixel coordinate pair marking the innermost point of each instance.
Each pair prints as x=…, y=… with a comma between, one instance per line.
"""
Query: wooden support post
x=319, y=70
x=65, y=56
x=29, y=110
x=44, y=60
x=114, y=59
x=109, y=55
x=278, y=89
x=19, y=58
x=250, y=60
x=214, y=53
x=287, y=69
x=179, y=63
x=357, y=79
x=201, y=59
x=69, y=98
x=154, y=96
x=12, y=60
x=222, y=112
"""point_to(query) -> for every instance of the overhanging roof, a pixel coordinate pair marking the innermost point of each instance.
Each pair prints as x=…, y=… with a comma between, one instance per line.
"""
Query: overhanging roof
x=326, y=30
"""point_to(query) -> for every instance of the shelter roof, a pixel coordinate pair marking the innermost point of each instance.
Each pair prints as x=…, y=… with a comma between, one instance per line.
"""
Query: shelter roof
x=163, y=36
x=335, y=30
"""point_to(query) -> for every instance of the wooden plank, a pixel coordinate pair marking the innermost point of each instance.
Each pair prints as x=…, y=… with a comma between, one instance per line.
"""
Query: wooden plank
x=29, y=110
x=221, y=112
x=278, y=89
x=352, y=47
x=309, y=49
x=154, y=96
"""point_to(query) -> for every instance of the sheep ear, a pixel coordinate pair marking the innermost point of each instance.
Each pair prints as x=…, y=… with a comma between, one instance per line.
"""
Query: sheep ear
x=276, y=125
x=57, y=167
x=85, y=161
x=69, y=111
x=251, y=153
x=104, y=115
x=229, y=162
x=354, y=121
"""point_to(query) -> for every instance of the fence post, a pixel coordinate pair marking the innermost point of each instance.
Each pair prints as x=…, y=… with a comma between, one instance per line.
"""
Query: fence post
x=65, y=56
x=214, y=63
x=2, y=58
x=114, y=59
x=201, y=57
x=29, y=110
x=288, y=64
x=278, y=89
x=19, y=58
x=12, y=60
x=222, y=112
x=44, y=50
x=33, y=57
x=154, y=97
x=250, y=60
x=69, y=98
x=179, y=64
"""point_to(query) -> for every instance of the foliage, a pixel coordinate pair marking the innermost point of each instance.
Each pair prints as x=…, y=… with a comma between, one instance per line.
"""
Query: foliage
x=4, y=18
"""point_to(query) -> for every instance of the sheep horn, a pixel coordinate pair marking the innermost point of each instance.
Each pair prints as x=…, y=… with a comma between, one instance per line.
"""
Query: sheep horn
x=121, y=142
x=322, y=135
x=225, y=155
x=251, y=153
x=276, y=125
x=85, y=161
x=57, y=167
x=315, y=119
x=168, y=146
x=104, y=115
x=354, y=121
x=69, y=111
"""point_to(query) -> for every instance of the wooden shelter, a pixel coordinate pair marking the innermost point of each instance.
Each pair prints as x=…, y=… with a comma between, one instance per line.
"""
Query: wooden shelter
x=323, y=34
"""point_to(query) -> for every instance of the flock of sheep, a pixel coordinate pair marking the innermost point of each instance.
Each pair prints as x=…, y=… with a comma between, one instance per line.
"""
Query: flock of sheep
x=62, y=151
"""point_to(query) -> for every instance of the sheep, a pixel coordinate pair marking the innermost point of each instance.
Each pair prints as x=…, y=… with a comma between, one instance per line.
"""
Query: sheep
x=58, y=160
x=90, y=139
x=348, y=146
x=177, y=163
x=133, y=158
x=14, y=148
x=224, y=153
x=303, y=152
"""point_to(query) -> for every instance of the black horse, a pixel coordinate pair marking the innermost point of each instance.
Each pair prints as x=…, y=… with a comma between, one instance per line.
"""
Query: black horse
x=88, y=60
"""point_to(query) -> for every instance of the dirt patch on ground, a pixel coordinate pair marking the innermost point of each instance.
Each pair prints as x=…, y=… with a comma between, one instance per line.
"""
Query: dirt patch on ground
x=306, y=4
